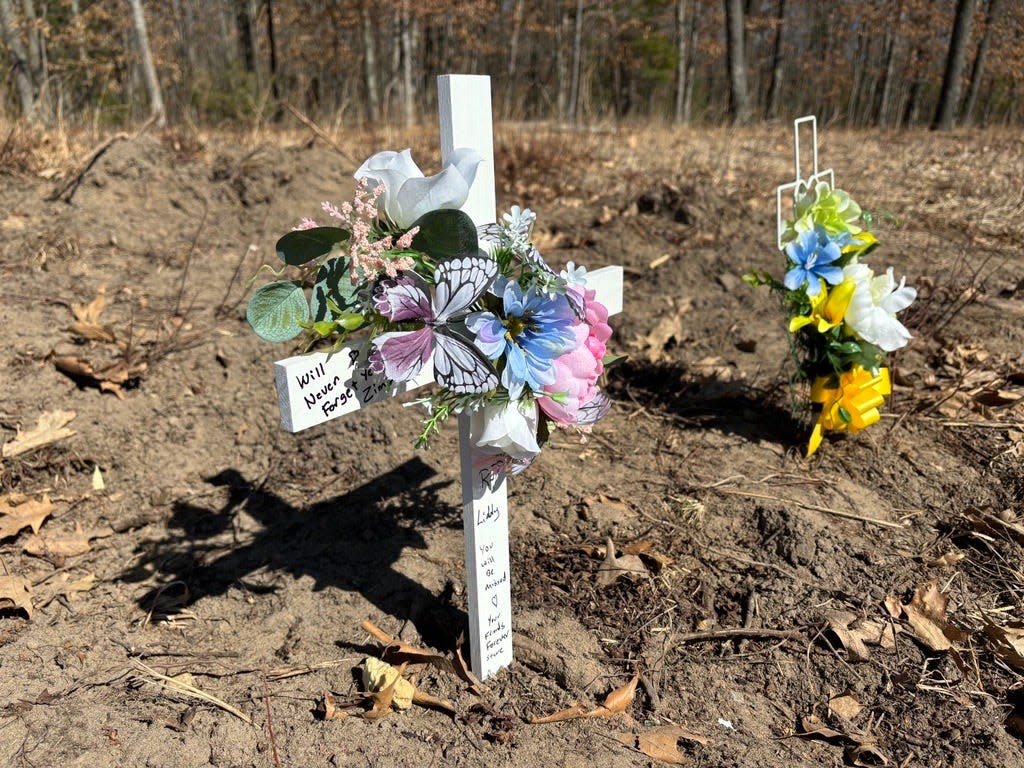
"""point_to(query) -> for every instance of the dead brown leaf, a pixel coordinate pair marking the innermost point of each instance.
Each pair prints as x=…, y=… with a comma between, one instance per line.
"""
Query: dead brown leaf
x=615, y=567
x=662, y=743
x=16, y=594
x=846, y=706
x=90, y=313
x=615, y=703
x=814, y=728
x=856, y=633
x=65, y=587
x=1008, y=643
x=109, y=379
x=330, y=710
x=865, y=754
x=50, y=428
x=668, y=331
x=926, y=614
x=28, y=514
x=618, y=701
x=68, y=545
x=424, y=699
x=379, y=676
x=947, y=560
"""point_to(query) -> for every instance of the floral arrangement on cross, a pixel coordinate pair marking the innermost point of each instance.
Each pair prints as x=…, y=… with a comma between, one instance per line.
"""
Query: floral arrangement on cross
x=518, y=345
x=842, y=316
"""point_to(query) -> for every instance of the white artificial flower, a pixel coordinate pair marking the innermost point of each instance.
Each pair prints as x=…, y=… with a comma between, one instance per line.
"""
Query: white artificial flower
x=574, y=275
x=873, y=307
x=509, y=428
x=408, y=194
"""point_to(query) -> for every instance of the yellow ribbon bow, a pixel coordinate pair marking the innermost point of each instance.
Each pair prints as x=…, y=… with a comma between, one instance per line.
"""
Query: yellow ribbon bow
x=851, y=405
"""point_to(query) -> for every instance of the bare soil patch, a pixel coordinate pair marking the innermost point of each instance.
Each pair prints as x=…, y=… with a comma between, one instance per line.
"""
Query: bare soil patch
x=778, y=596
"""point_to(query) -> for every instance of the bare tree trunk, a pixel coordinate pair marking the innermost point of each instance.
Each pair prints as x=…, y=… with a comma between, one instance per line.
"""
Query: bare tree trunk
x=739, y=99
x=156, y=99
x=408, y=89
x=22, y=73
x=949, y=97
x=681, y=41
x=246, y=37
x=979, y=61
x=577, y=59
x=275, y=90
x=561, y=69
x=775, y=83
x=513, y=58
x=370, y=68
x=691, y=63
x=884, y=108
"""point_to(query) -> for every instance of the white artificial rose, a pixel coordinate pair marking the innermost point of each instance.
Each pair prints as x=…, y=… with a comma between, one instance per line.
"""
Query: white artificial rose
x=509, y=428
x=873, y=307
x=408, y=194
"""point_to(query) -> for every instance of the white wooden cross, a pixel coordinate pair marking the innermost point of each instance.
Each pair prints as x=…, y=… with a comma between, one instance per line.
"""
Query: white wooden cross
x=800, y=184
x=318, y=387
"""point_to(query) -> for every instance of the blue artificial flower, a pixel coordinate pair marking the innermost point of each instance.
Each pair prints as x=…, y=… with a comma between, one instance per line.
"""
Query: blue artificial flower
x=536, y=330
x=813, y=254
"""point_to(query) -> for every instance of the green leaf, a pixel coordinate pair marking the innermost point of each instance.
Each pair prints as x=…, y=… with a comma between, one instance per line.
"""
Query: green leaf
x=277, y=311
x=303, y=245
x=333, y=292
x=445, y=233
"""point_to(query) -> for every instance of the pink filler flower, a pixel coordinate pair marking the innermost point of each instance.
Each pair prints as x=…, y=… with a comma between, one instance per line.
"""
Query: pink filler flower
x=576, y=372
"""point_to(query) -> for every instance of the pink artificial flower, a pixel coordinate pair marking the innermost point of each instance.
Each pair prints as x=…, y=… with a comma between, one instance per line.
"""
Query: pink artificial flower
x=577, y=372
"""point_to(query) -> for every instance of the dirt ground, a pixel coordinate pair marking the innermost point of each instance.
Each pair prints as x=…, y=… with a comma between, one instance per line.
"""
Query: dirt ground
x=790, y=612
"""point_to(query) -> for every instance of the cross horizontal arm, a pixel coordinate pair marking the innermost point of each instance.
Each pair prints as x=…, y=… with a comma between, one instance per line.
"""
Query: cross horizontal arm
x=317, y=387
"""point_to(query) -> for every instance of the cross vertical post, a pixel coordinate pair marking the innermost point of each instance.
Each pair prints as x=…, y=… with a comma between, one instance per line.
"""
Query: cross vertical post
x=464, y=106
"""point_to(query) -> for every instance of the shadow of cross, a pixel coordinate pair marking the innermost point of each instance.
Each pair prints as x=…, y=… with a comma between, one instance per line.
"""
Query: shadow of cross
x=350, y=542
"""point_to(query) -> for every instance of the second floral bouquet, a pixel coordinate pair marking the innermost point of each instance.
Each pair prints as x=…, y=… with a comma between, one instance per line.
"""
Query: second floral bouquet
x=515, y=343
x=842, y=315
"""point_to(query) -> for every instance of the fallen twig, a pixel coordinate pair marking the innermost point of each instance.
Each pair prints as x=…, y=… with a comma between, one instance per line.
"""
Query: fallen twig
x=180, y=686
x=814, y=507
x=737, y=633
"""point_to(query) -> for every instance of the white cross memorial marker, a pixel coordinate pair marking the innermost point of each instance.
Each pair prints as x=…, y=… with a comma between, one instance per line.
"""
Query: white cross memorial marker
x=800, y=185
x=315, y=388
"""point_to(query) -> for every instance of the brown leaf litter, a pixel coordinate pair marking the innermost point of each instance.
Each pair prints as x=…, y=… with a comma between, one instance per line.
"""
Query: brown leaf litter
x=51, y=427
x=615, y=703
x=18, y=512
x=16, y=594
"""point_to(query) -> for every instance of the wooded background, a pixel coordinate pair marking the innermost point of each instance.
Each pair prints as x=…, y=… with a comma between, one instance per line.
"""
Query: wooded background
x=855, y=62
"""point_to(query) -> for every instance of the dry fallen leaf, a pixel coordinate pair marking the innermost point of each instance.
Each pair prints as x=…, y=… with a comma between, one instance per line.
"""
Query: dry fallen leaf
x=50, y=428
x=855, y=633
x=90, y=313
x=379, y=676
x=846, y=706
x=1008, y=643
x=16, y=594
x=946, y=560
x=614, y=567
x=330, y=709
x=668, y=330
x=926, y=614
x=662, y=743
x=69, y=545
x=615, y=703
x=28, y=514
x=70, y=589
x=814, y=728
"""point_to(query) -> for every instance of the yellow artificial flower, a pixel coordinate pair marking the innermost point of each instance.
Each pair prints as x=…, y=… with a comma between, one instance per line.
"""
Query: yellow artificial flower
x=860, y=244
x=852, y=405
x=828, y=308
